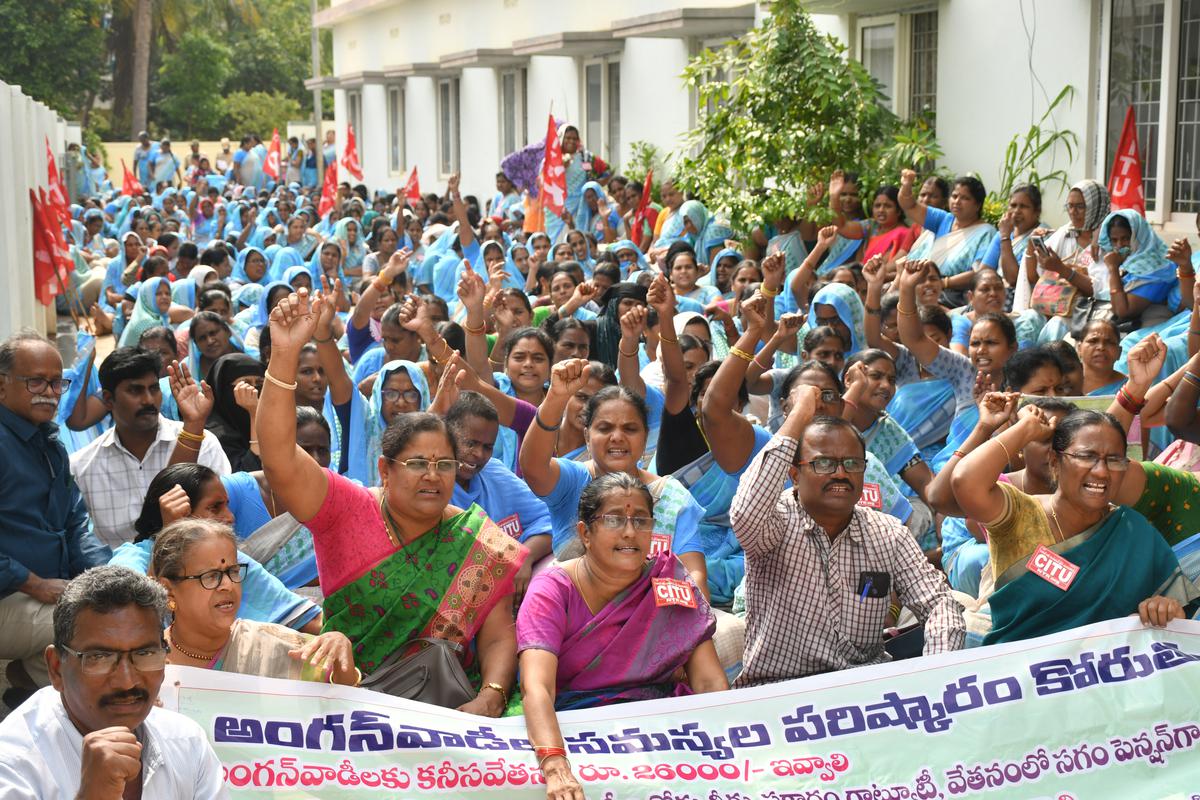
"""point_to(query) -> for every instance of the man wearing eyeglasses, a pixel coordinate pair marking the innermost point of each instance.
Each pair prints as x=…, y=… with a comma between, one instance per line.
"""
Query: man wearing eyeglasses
x=44, y=538
x=96, y=733
x=820, y=568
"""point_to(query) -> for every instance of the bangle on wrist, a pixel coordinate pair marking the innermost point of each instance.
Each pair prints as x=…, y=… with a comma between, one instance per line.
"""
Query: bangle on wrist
x=503, y=694
x=742, y=354
x=474, y=331
x=291, y=387
x=627, y=355
x=767, y=292
x=190, y=437
x=326, y=340
x=188, y=445
x=875, y=312
x=902, y=312
x=665, y=340
x=381, y=285
x=537, y=418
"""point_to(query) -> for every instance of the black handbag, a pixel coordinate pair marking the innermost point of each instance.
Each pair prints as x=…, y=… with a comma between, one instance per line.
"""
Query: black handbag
x=431, y=675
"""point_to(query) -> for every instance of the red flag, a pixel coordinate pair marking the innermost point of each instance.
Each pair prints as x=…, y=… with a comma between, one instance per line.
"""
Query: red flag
x=412, y=189
x=129, y=182
x=350, y=155
x=274, y=157
x=58, y=192
x=1125, y=182
x=554, y=175
x=329, y=190
x=639, y=216
x=48, y=252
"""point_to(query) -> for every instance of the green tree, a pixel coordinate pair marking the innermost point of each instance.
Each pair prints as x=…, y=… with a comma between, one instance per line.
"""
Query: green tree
x=258, y=112
x=54, y=51
x=190, y=83
x=796, y=109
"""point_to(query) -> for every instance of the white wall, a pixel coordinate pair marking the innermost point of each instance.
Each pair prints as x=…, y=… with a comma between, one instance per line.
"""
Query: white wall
x=420, y=131
x=479, y=115
x=984, y=91
x=553, y=81
x=658, y=110
x=372, y=141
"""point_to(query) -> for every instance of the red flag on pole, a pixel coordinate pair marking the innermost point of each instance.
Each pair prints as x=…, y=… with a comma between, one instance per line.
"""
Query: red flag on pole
x=350, y=155
x=129, y=182
x=48, y=269
x=554, y=175
x=639, y=216
x=58, y=192
x=274, y=157
x=412, y=189
x=1125, y=183
x=329, y=190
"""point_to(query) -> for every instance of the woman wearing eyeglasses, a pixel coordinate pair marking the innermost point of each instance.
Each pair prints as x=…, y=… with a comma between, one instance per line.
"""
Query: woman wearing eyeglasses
x=610, y=626
x=1073, y=557
x=196, y=561
x=398, y=562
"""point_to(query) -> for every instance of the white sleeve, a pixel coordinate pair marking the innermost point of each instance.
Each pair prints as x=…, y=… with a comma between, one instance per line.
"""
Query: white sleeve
x=212, y=455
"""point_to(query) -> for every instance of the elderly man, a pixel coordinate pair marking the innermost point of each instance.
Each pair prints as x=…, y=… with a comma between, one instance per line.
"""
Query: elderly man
x=96, y=734
x=44, y=538
x=820, y=568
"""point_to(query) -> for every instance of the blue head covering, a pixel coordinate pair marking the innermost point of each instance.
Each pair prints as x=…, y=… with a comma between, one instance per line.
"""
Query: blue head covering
x=284, y=258
x=145, y=314
x=314, y=264
x=617, y=247
x=849, y=308
x=355, y=253
x=290, y=275
x=515, y=279
x=583, y=220
x=262, y=314
x=1147, y=258
x=239, y=267
x=114, y=271
x=365, y=448
x=246, y=296
x=183, y=292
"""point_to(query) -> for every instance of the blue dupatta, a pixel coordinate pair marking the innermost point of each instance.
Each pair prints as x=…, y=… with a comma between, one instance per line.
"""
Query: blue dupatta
x=367, y=426
x=1147, y=261
x=925, y=409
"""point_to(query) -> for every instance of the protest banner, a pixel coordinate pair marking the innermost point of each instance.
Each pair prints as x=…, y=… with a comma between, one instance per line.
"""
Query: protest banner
x=1104, y=711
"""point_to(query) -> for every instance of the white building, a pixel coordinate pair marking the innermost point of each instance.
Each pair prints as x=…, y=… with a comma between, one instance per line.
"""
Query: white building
x=456, y=84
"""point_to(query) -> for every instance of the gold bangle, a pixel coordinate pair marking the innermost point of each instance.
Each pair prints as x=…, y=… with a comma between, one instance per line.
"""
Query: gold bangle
x=291, y=387
x=498, y=688
x=904, y=313
x=769, y=292
x=449, y=352
x=1007, y=455
x=191, y=437
x=326, y=340
x=181, y=443
x=665, y=340
x=742, y=354
x=474, y=331
x=627, y=355
x=381, y=285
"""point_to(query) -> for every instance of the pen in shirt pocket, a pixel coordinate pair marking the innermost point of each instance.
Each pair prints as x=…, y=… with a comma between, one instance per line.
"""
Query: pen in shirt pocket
x=862, y=598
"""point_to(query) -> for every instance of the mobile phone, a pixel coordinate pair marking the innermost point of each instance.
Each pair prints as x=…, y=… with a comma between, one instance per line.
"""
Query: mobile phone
x=1039, y=243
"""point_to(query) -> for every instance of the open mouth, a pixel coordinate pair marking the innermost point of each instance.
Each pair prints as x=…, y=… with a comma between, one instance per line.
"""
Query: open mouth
x=634, y=549
x=1097, y=489
x=614, y=452
x=226, y=606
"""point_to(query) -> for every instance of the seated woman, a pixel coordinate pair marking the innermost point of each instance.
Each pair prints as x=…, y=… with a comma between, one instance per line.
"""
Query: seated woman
x=1099, y=346
x=195, y=491
x=153, y=303
x=197, y=562
x=394, y=549
x=596, y=630
x=228, y=421
x=955, y=240
x=884, y=234
x=1014, y=231
x=1077, y=523
x=1139, y=273
x=986, y=295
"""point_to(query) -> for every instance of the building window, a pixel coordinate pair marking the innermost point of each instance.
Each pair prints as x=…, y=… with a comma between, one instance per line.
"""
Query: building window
x=513, y=89
x=354, y=112
x=395, y=111
x=877, y=52
x=602, y=108
x=1135, y=79
x=448, y=133
x=922, y=99
x=1187, y=131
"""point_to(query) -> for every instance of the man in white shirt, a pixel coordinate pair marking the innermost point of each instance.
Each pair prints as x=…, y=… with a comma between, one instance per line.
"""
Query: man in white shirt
x=95, y=734
x=114, y=471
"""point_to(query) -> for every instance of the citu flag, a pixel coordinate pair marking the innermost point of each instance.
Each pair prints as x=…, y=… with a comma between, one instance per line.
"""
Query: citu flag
x=412, y=189
x=58, y=192
x=1125, y=182
x=129, y=182
x=51, y=259
x=350, y=155
x=274, y=156
x=553, y=191
x=329, y=190
x=639, y=216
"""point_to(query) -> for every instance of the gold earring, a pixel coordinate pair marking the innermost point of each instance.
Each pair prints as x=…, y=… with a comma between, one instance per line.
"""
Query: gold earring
x=171, y=605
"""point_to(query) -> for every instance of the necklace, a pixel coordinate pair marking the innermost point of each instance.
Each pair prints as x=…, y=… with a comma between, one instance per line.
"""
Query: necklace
x=175, y=644
x=1061, y=537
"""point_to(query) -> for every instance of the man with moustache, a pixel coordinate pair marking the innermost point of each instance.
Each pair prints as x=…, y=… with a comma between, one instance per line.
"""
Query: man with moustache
x=114, y=471
x=96, y=733
x=44, y=538
x=820, y=568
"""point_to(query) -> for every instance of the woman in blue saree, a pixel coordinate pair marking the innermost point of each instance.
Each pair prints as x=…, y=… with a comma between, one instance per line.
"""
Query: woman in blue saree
x=251, y=267
x=400, y=388
x=1063, y=560
x=348, y=234
x=1139, y=273
x=153, y=303
x=581, y=166
x=956, y=240
x=284, y=259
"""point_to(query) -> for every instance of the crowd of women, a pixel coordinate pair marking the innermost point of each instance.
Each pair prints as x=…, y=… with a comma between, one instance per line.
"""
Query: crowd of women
x=447, y=415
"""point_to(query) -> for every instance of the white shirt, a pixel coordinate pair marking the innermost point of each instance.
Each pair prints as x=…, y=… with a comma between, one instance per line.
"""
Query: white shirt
x=114, y=482
x=41, y=754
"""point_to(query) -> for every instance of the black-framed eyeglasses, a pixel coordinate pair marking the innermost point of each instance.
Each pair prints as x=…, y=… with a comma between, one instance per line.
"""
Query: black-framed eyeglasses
x=37, y=385
x=1090, y=460
x=420, y=466
x=103, y=662
x=824, y=465
x=617, y=522
x=213, y=577
x=407, y=395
